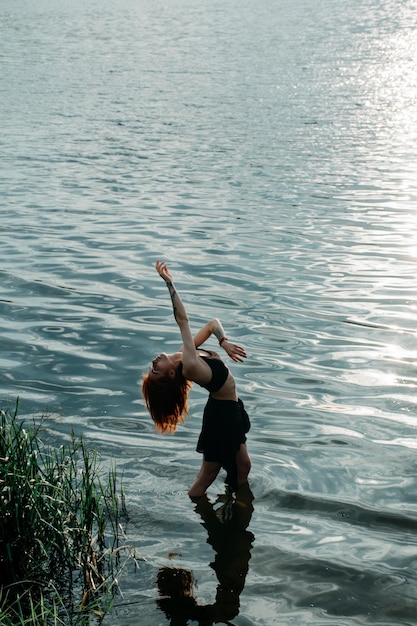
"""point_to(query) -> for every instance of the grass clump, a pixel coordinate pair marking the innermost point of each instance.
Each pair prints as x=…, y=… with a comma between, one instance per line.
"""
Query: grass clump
x=60, y=530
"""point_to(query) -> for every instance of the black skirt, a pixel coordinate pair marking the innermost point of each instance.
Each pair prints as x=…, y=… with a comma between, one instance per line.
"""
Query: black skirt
x=225, y=424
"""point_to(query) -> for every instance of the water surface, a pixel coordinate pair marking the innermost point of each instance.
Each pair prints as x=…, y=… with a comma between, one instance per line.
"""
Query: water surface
x=267, y=151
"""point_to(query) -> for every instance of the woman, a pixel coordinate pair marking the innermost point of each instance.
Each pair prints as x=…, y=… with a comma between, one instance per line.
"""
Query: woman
x=165, y=388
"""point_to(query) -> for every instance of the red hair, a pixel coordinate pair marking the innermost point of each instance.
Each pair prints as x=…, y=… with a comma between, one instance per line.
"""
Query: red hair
x=166, y=399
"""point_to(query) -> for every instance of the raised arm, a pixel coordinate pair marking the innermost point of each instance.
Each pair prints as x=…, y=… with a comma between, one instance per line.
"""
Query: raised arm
x=180, y=315
x=177, y=305
x=215, y=327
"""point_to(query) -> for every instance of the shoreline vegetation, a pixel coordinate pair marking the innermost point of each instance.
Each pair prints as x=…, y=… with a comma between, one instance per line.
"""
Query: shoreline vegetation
x=62, y=534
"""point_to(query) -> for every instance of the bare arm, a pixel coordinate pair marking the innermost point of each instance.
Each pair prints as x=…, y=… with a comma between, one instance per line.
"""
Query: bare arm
x=215, y=327
x=190, y=359
x=177, y=305
x=192, y=364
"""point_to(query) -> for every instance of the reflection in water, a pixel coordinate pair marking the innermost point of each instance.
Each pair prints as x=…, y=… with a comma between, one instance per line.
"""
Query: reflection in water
x=232, y=542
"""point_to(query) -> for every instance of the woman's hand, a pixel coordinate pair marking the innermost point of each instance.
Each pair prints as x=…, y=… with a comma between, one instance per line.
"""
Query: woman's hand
x=237, y=353
x=177, y=305
x=163, y=271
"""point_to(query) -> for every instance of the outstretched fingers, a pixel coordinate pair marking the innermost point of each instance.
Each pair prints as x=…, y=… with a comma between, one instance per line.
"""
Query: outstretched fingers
x=237, y=353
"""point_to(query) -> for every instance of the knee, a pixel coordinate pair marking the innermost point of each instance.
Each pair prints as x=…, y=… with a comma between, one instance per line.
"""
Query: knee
x=195, y=493
x=206, y=476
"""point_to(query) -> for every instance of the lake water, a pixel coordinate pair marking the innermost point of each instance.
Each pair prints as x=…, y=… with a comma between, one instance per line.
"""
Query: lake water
x=267, y=151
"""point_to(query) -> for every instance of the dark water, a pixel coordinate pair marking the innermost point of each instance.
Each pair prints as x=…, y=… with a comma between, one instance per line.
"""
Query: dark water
x=267, y=151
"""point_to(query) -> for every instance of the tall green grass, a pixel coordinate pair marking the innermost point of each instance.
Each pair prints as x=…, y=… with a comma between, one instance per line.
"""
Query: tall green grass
x=61, y=526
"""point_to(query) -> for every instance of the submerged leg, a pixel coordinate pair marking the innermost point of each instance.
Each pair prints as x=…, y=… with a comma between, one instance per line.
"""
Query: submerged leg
x=207, y=475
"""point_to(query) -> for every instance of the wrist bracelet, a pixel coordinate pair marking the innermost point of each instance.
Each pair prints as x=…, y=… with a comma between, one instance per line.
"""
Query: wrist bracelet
x=222, y=339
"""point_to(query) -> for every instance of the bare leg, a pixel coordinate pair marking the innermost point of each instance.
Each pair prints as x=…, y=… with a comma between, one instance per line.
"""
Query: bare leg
x=243, y=464
x=207, y=474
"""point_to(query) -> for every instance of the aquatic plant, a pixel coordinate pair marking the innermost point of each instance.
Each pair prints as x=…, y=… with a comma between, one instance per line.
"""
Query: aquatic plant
x=60, y=529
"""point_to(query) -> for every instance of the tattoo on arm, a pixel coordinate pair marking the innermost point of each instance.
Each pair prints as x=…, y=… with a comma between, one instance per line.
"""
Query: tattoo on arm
x=218, y=331
x=174, y=295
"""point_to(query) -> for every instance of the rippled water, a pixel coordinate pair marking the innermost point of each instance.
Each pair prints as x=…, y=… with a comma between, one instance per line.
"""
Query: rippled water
x=268, y=152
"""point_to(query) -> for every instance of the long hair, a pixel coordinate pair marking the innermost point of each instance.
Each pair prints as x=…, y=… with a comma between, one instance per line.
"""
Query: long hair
x=167, y=399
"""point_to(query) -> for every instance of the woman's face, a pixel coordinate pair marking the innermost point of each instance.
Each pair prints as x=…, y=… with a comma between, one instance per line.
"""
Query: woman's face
x=164, y=365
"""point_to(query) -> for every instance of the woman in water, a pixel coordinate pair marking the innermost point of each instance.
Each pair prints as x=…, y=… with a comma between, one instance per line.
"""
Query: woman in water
x=165, y=388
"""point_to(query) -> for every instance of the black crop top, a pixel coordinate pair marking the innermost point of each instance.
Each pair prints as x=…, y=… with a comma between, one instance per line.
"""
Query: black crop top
x=219, y=371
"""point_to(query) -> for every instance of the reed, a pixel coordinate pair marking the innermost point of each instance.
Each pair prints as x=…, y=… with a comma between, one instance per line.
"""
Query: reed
x=61, y=525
